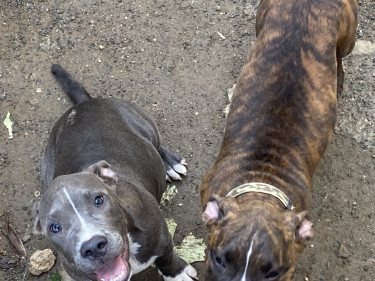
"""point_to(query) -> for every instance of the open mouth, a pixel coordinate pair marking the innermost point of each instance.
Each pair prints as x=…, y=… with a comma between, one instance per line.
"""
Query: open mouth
x=117, y=269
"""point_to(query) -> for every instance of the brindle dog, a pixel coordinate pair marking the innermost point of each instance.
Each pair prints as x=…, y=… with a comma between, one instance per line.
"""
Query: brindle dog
x=280, y=121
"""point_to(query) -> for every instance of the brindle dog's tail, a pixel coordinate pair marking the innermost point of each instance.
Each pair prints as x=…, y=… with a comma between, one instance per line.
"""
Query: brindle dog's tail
x=71, y=87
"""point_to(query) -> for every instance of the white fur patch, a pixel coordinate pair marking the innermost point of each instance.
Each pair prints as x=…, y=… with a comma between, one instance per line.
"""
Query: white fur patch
x=135, y=265
x=188, y=274
x=87, y=230
x=180, y=168
x=81, y=219
x=247, y=259
x=173, y=175
x=70, y=119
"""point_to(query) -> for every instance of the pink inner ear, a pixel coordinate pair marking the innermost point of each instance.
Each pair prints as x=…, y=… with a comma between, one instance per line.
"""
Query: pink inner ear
x=305, y=230
x=211, y=212
x=107, y=173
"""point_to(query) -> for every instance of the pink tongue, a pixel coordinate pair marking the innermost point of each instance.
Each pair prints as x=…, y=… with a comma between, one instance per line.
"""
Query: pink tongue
x=116, y=268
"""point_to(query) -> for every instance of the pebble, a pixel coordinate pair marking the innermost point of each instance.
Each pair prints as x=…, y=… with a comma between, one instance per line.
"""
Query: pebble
x=343, y=252
x=26, y=238
x=34, y=101
x=41, y=261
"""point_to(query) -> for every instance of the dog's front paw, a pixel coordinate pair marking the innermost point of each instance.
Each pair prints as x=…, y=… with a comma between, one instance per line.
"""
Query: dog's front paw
x=174, y=171
x=175, y=166
x=188, y=274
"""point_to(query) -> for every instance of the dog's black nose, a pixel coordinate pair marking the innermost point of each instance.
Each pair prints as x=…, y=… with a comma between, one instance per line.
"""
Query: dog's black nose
x=94, y=248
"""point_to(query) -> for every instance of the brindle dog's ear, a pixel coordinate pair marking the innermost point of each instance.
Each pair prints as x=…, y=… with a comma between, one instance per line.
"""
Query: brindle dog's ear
x=104, y=172
x=299, y=224
x=217, y=207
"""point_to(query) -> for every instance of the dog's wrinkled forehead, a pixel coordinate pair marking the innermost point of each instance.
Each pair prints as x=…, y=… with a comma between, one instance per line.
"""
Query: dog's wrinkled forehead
x=69, y=191
x=272, y=238
x=246, y=248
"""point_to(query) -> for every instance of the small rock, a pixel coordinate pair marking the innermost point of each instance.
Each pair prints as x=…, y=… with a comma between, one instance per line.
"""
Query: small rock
x=7, y=262
x=26, y=238
x=343, y=252
x=33, y=101
x=41, y=261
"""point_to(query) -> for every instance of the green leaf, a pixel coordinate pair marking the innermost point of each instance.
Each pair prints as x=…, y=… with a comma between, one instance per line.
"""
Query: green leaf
x=191, y=249
x=172, y=225
x=8, y=123
x=56, y=277
x=169, y=194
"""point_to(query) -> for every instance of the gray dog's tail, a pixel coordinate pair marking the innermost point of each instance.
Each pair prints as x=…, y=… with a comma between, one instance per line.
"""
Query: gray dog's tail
x=71, y=87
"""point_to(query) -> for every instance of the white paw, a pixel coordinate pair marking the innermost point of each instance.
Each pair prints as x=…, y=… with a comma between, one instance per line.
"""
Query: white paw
x=188, y=274
x=180, y=168
x=173, y=173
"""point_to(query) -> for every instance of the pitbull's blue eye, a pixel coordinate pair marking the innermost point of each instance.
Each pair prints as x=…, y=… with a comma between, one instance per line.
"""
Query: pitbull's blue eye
x=55, y=228
x=220, y=261
x=98, y=200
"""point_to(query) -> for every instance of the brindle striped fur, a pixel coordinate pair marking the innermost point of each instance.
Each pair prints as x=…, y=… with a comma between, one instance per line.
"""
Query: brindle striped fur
x=280, y=121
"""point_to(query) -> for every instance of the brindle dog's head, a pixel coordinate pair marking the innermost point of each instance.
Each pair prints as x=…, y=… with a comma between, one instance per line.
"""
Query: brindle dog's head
x=255, y=241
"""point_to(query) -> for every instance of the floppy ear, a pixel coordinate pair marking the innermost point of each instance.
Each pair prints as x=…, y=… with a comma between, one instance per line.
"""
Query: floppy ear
x=104, y=172
x=217, y=207
x=299, y=225
x=37, y=227
x=212, y=211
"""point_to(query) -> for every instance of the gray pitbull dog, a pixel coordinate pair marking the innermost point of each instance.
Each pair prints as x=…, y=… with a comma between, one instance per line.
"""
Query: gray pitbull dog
x=105, y=172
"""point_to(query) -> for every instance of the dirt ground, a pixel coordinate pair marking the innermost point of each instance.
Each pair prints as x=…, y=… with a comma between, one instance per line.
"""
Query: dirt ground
x=176, y=59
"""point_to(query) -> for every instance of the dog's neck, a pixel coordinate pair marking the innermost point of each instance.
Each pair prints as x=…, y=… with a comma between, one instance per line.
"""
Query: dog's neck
x=262, y=188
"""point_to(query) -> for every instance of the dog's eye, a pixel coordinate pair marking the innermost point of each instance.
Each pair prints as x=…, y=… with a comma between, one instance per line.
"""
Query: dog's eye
x=98, y=200
x=216, y=259
x=272, y=274
x=220, y=262
x=55, y=228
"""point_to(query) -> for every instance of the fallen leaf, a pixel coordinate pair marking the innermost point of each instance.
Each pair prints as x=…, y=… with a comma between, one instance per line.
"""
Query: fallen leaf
x=9, y=231
x=8, y=123
x=192, y=249
x=56, y=277
x=170, y=192
x=172, y=225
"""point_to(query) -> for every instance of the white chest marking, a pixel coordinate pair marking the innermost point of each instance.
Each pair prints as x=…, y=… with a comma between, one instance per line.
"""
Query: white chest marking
x=248, y=259
x=135, y=265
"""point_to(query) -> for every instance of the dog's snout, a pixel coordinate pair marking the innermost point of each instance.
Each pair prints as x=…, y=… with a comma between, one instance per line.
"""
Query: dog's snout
x=94, y=248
